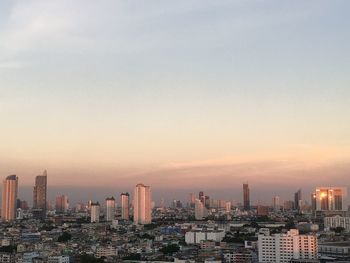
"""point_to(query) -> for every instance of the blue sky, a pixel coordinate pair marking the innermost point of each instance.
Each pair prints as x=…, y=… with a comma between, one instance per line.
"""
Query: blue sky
x=128, y=88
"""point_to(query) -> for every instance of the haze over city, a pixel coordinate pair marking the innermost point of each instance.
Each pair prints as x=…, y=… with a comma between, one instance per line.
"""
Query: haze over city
x=179, y=95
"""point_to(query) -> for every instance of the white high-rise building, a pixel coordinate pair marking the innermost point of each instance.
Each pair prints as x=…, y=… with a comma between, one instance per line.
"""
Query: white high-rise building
x=200, y=211
x=95, y=212
x=110, y=208
x=329, y=199
x=281, y=248
x=125, y=205
x=9, y=198
x=142, y=204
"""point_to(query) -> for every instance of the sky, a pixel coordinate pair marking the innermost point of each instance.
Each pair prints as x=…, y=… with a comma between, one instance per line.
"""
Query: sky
x=180, y=95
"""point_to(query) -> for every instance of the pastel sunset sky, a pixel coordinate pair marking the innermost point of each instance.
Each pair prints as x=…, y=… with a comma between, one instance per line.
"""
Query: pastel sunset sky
x=176, y=94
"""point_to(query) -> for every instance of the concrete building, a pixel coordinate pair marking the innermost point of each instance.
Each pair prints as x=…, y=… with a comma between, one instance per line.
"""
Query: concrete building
x=200, y=210
x=337, y=221
x=246, y=196
x=62, y=203
x=196, y=236
x=142, y=204
x=110, y=208
x=281, y=248
x=95, y=212
x=9, y=198
x=125, y=205
x=39, y=195
x=58, y=259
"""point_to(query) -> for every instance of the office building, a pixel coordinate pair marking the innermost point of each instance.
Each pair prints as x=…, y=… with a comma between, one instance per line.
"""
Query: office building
x=142, y=204
x=282, y=248
x=9, y=198
x=62, y=203
x=246, y=196
x=297, y=199
x=192, y=199
x=95, y=212
x=110, y=208
x=125, y=204
x=196, y=236
x=329, y=199
x=39, y=195
x=200, y=210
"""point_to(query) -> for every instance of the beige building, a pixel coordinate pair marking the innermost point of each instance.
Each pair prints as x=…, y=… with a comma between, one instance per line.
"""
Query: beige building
x=142, y=204
x=9, y=198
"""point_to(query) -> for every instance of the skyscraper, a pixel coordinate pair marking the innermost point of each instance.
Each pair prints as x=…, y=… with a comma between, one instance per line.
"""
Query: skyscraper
x=125, y=205
x=62, y=203
x=9, y=198
x=200, y=210
x=192, y=199
x=330, y=199
x=276, y=203
x=95, y=212
x=246, y=196
x=110, y=208
x=297, y=199
x=39, y=194
x=142, y=204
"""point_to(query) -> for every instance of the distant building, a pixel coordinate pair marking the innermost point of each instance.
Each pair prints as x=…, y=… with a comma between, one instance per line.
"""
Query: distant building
x=262, y=210
x=281, y=248
x=197, y=236
x=142, y=204
x=39, y=194
x=9, y=198
x=62, y=203
x=95, y=212
x=110, y=208
x=125, y=205
x=246, y=196
x=288, y=205
x=297, y=199
x=192, y=199
x=200, y=211
x=58, y=259
x=276, y=203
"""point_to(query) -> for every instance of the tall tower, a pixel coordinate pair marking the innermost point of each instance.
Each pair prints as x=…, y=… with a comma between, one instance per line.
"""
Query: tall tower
x=200, y=210
x=142, y=204
x=297, y=199
x=62, y=203
x=125, y=205
x=40, y=193
x=246, y=196
x=9, y=198
x=95, y=212
x=110, y=208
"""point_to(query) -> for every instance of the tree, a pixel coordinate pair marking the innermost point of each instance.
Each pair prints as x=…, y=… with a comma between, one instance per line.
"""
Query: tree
x=170, y=249
x=64, y=237
x=90, y=259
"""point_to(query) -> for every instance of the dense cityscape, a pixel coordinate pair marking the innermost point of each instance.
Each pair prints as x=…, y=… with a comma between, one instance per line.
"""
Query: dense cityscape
x=131, y=228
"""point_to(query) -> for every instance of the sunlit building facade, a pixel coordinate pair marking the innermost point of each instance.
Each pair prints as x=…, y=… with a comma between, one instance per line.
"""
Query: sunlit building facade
x=110, y=208
x=9, y=198
x=142, y=204
x=125, y=205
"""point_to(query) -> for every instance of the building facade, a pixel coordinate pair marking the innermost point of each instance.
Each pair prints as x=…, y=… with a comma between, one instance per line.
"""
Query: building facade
x=142, y=204
x=9, y=198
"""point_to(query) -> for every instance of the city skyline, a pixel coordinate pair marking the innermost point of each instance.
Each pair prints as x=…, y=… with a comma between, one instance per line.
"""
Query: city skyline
x=136, y=94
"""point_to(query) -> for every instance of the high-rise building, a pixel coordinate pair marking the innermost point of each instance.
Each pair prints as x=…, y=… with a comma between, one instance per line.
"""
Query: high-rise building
x=9, y=198
x=192, y=199
x=39, y=195
x=125, y=205
x=110, y=208
x=200, y=211
x=297, y=199
x=281, y=248
x=62, y=203
x=246, y=196
x=329, y=199
x=276, y=203
x=95, y=212
x=142, y=204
